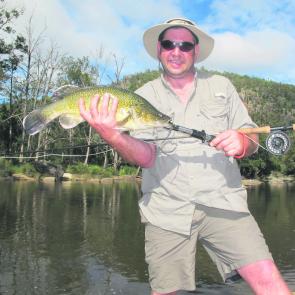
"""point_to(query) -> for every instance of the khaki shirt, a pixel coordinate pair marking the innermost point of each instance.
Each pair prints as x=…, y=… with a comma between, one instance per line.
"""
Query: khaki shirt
x=186, y=171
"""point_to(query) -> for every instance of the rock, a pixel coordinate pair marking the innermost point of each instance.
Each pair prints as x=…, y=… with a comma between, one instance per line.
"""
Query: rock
x=18, y=176
x=48, y=179
x=67, y=176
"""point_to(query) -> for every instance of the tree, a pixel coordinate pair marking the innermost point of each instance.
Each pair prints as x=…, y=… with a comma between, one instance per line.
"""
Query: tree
x=11, y=55
x=7, y=48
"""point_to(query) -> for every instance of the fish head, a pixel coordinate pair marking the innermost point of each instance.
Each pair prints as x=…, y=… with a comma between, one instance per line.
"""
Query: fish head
x=152, y=119
x=157, y=120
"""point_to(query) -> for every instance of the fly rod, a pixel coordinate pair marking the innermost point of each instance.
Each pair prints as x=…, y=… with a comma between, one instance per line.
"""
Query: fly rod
x=277, y=142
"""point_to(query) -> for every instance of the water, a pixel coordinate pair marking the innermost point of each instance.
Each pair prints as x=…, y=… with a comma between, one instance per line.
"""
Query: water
x=77, y=238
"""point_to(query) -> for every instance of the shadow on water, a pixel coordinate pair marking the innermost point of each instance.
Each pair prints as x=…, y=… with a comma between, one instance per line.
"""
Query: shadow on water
x=77, y=238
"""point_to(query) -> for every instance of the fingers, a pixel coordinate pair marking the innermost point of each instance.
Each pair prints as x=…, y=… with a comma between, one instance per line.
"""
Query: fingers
x=104, y=109
x=94, y=106
x=100, y=109
x=230, y=141
x=114, y=106
x=83, y=112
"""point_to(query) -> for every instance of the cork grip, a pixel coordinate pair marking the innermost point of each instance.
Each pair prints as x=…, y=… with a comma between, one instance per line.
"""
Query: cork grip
x=263, y=129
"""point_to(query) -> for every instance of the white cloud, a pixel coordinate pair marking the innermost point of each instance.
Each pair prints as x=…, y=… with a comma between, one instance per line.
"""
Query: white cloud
x=260, y=50
x=254, y=37
x=80, y=28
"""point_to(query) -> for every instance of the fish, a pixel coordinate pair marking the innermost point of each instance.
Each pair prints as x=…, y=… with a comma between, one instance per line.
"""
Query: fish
x=133, y=111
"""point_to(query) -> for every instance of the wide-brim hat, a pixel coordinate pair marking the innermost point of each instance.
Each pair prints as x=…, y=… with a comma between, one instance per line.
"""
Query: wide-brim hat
x=150, y=37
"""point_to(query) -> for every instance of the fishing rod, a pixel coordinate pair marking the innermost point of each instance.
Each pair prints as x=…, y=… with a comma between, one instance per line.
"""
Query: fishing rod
x=277, y=142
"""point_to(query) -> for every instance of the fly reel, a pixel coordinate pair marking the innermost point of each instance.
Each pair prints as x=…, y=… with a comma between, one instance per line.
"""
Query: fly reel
x=278, y=143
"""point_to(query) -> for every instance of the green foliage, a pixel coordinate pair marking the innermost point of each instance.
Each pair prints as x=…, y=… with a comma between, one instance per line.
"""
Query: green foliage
x=77, y=72
x=133, y=82
x=10, y=51
x=26, y=168
x=288, y=163
x=6, y=168
x=127, y=170
x=93, y=170
x=79, y=168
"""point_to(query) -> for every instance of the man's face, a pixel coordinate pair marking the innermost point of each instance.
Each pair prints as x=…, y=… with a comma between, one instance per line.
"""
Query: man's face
x=178, y=63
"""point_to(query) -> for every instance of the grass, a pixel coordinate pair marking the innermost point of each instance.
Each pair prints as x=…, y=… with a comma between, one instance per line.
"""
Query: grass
x=7, y=168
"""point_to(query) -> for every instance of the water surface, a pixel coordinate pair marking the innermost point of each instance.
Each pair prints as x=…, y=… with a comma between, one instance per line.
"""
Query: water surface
x=78, y=238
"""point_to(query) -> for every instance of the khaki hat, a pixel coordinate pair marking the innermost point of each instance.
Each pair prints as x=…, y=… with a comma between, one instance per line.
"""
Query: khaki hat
x=150, y=37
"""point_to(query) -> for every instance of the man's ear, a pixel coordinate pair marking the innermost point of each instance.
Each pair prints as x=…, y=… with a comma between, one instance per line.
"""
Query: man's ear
x=197, y=51
x=158, y=49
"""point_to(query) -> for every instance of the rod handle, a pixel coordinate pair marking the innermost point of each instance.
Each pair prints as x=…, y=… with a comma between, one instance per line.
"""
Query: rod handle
x=294, y=130
x=263, y=129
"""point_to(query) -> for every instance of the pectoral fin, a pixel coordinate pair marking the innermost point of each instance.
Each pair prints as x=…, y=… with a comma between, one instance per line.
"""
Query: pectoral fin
x=68, y=121
x=122, y=118
x=123, y=121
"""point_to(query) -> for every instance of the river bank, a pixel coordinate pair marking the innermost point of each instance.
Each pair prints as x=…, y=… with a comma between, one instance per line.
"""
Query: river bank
x=273, y=179
x=72, y=177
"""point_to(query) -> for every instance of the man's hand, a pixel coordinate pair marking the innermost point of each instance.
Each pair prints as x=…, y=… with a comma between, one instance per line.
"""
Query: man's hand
x=103, y=120
x=231, y=142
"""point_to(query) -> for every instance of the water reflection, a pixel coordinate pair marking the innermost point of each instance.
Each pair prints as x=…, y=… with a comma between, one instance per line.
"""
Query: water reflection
x=75, y=238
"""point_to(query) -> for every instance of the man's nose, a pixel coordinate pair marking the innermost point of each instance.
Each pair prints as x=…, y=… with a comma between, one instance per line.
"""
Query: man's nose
x=176, y=51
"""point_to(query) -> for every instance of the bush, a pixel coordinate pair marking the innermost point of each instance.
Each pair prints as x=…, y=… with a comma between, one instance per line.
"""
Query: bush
x=6, y=168
x=27, y=169
x=79, y=168
x=93, y=170
x=127, y=170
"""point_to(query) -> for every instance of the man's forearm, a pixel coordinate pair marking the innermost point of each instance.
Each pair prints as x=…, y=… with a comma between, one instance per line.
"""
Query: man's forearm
x=133, y=150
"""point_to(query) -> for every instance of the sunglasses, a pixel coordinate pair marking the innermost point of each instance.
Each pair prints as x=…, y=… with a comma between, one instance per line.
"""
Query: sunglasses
x=184, y=46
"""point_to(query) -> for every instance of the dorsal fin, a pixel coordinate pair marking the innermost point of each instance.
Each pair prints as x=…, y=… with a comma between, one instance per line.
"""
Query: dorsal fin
x=64, y=90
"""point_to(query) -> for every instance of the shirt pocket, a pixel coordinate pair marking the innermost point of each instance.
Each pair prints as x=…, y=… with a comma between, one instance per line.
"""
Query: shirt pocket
x=215, y=111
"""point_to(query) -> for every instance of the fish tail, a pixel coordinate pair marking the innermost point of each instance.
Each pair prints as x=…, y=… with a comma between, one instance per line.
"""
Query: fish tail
x=34, y=122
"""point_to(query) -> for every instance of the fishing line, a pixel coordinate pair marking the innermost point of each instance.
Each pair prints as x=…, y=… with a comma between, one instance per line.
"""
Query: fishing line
x=58, y=155
x=258, y=144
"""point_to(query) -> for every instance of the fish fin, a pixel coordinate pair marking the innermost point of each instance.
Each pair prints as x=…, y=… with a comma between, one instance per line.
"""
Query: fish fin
x=122, y=118
x=123, y=121
x=122, y=129
x=64, y=90
x=34, y=122
x=68, y=121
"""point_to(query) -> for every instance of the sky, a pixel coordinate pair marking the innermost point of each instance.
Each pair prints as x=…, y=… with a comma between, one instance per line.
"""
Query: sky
x=252, y=37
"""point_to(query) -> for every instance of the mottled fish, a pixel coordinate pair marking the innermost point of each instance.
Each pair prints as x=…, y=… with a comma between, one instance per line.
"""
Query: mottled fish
x=133, y=111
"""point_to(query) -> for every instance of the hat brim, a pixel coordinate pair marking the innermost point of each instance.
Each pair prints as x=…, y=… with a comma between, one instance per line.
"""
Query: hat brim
x=150, y=40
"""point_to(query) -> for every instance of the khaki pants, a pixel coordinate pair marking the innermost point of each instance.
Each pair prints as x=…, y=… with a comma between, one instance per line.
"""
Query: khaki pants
x=232, y=240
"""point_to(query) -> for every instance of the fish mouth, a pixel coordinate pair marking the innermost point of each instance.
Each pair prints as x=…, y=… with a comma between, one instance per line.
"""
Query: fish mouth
x=165, y=117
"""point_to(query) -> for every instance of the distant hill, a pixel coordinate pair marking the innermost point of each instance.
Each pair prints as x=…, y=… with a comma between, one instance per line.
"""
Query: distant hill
x=268, y=102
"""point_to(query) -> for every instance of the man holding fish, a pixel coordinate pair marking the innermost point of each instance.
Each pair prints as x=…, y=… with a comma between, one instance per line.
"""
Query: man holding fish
x=192, y=192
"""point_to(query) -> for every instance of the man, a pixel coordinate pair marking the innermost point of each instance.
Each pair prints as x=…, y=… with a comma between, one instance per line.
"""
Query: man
x=192, y=191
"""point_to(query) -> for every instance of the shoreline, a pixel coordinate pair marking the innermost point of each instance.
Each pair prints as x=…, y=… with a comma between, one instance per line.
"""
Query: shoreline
x=68, y=177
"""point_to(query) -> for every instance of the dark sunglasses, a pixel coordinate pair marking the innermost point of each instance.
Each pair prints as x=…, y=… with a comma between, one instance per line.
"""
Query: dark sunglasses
x=184, y=46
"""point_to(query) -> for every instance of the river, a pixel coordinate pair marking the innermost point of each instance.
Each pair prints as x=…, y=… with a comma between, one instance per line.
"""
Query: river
x=76, y=238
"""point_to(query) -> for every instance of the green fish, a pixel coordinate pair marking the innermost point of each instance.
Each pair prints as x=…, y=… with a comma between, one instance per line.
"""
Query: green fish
x=133, y=111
